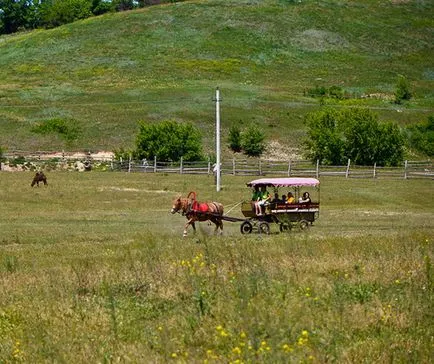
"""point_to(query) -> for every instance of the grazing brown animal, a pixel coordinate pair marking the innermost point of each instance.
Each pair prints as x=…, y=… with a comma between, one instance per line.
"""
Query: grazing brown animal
x=198, y=211
x=39, y=177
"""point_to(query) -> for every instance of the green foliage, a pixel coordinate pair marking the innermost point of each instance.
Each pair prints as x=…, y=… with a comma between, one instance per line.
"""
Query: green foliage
x=421, y=136
x=252, y=141
x=402, y=92
x=55, y=12
x=234, y=138
x=66, y=128
x=122, y=154
x=334, y=92
x=169, y=141
x=324, y=141
x=334, y=136
x=16, y=15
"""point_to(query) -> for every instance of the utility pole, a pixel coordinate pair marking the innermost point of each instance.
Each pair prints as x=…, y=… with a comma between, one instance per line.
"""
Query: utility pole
x=217, y=137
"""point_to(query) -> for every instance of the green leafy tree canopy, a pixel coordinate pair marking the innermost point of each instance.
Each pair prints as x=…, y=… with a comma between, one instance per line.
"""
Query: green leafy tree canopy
x=335, y=136
x=252, y=141
x=169, y=141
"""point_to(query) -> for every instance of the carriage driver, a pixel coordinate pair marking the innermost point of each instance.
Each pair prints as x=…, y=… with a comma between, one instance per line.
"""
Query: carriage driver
x=265, y=198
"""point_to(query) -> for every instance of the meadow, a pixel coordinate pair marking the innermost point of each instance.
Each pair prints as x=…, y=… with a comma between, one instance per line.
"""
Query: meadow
x=93, y=268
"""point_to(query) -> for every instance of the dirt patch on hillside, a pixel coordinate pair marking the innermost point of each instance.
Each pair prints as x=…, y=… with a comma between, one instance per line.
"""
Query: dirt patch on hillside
x=280, y=152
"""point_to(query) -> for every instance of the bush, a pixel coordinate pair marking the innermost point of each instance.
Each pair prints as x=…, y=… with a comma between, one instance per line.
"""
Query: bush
x=252, y=141
x=169, y=141
x=402, y=90
x=421, y=136
x=67, y=129
x=234, y=138
x=336, y=136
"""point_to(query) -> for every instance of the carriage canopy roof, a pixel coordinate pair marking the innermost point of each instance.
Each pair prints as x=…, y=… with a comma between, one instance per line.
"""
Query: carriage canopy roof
x=284, y=182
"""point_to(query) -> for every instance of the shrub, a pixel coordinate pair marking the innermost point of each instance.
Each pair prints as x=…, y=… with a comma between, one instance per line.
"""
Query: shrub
x=234, y=138
x=252, y=141
x=421, y=136
x=402, y=91
x=334, y=136
x=169, y=141
x=67, y=129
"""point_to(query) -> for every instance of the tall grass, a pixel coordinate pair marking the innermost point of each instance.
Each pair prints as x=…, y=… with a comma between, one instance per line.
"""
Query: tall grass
x=94, y=268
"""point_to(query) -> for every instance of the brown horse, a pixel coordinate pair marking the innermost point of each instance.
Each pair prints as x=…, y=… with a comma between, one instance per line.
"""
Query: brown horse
x=198, y=211
x=39, y=177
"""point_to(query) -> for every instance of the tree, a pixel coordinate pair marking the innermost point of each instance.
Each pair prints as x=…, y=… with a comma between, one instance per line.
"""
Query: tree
x=402, y=91
x=58, y=12
x=334, y=136
x=234, y=138
x=252, y=141
x=421, y=136
x=16, y=15
x=324, y=141
x=169, y=141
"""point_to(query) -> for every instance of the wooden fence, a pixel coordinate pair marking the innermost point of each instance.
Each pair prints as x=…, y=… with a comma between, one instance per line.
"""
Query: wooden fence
x=236, y=167
x=298, y=168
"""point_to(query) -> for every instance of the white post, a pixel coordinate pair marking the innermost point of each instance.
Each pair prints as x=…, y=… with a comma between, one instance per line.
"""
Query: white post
x=233, y=166
x=348, y=168
x=405, y=169
x=289, y=169
x=317, y=168
x=375, y=170
x=155, y=164
x=129, y=163
x=217, y=116
x=180, y=167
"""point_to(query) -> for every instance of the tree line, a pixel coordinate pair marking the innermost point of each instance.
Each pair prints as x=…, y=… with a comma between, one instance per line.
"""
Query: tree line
x=18, y=15
x=333, y=136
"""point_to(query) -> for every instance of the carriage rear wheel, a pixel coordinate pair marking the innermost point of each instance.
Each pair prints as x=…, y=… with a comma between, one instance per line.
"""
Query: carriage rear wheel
x=303, y=224
x=246, y=227
x=264, y=228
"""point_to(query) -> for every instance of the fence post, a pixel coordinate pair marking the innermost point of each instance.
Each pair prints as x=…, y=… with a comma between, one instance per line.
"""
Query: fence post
x=259, y=167
x=180, y=167
x=209, y=166
x=289, y=169
x=405, y=169
x=347, y=173
x=375, y=170
x=129, y=163
x=317, y=168
x=233, y=166
x=155, y=164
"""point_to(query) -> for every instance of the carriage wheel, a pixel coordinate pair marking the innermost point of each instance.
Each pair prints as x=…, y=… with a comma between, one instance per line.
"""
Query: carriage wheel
x=246, y=227
x=264, y=228
x=284, y=227
x=303, y=224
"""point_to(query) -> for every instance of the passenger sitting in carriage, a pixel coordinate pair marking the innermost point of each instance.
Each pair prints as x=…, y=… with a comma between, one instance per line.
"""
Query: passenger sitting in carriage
x=276, y=198
x=305, y=198
x=290, y=198
x=264, y=200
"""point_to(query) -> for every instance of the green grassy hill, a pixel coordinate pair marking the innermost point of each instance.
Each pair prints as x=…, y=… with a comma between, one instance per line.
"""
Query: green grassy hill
x=103, y=75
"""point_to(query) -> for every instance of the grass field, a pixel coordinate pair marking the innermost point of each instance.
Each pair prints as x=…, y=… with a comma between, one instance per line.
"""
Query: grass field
x=103, y=75
x=93, y=268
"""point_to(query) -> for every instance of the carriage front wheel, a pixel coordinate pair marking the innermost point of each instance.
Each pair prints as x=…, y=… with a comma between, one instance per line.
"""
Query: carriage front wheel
x=246, y=227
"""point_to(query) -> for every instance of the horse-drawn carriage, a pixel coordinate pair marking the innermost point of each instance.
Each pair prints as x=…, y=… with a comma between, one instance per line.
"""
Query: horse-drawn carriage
x=301, y=213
